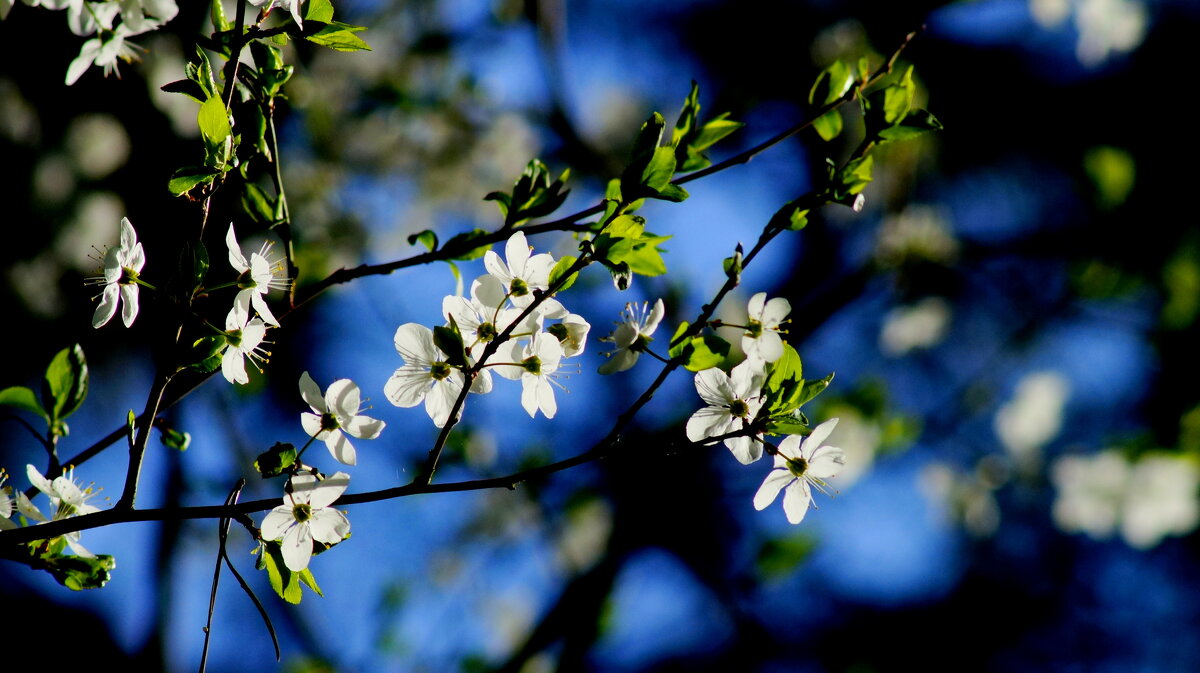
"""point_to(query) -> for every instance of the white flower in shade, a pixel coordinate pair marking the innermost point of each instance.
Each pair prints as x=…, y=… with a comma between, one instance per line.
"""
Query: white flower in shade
x=761, y=339
x=799, y=467
x=336, y=415
x=571, y=333
x=306, y=515
x=425, y=375
x=245, y=343
x=523, y=273
x=122, y=265
x=6, y=504
x=67, y=499
x=632, y=335
x=484, y=316
x=106, y=50
x=535, y=364
x=257, y=276
x=733, y=401
x=292, y=6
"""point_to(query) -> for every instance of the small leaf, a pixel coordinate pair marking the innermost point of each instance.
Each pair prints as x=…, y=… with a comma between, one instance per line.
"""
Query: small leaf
x=256, y=204
x=714, y=130
x=705, y=352
x=172, y=438
x=275, y=460
x=199, y=263
x=284, y=582
x=339, y=37
x=319, y=10
x=214, y=120
x=66, y=382
x=427, y=238
x=188, y=88
x=188, y=178
x=463, y=241
x=831, y=84
x=449, y=340
x=22, y=398
x=828, y=125
x=813, y=388
x=916, y=123
x=307, y=578
x=205, y=355
x=560, y=269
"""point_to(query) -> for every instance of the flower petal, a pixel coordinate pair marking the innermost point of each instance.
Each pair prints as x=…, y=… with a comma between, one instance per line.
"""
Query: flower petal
x=107, y=307
x=620, y=361
x=826, y=462
x=714, y=387
x=340, y=448
x=754, y=308
x=796, y=499
x=408, y=386
x=656, y=316
x=775, y=311
x=129, y=295
x=441, y=398
x=329, y=490
x=260, y=305
x=516, y=252
x=414, y=343
x=344, y=399
x=709, y=422
x=329, y=526
x=819, y=434
x=745, y=449
x=277, y=523
x=297, y=547
x=233, y=366
x=311, y=393
x=770, y=346
x=236, y=260
x=363, y=427
x=311, y=424
x=775, y=481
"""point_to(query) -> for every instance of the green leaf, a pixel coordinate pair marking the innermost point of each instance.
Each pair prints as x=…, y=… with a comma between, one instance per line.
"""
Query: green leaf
x=186, y=179
x=284, y=582
x=66, y=383
x=188, y=88
x=172, y=438
x=649, y=137
x=787, y=369
x=319, y=10
x=22, y=398
x=898, y=98
x=699, y=352
x=705, y=352
x=427, y=238
x=792, y=423
x=217, y=14
x=214, y=120
x=463, y=240
x=449, y=340
x=339, y=37
x=201, y=73
x=828, y=125
x=560, y=269
x=257, y=204
x=199, y=263
x=533, y=195
x=732, y=265
x=813, y=388
x=831, y=84
x=645, y=257
x=688, y=116
x=307, y=578
x=503, y=201
x=856, y=175
x=273, y=461
x=713, y=131
x=205, y=355
x=76, y=572
x=916, y=123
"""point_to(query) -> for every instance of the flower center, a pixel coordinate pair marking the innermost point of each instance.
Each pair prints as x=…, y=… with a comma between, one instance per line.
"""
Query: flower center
x=486, y=332
x=739, y=408
x=302, y=511
x=797, y=466
x=246, y=281
x=439, y=370
x=128, y=276
x=518, y=288
x=533, y=365
x=641, y=343
x=755, y=328
x=329, y=422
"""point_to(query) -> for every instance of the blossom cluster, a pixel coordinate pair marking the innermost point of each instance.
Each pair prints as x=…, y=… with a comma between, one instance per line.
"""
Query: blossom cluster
x=506, y=325
x=67, y=499
x=734, y=401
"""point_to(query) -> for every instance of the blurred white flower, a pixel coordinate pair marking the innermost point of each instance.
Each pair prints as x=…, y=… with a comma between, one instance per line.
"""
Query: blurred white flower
x=921, y=325
x=1032, y=417
x=1145, y=501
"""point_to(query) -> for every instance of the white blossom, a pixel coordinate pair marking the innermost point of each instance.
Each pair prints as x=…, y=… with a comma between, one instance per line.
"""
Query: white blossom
x=425, y=375
x=122, y=265
x=733, y=401
x=761, y=339
x=799, y=467
x=535, y=365
x=305, y=516
x=522, y=273
x=335, y=416
x=67, y=499
x=257, y=276
x=244, y=343
x=632, y=335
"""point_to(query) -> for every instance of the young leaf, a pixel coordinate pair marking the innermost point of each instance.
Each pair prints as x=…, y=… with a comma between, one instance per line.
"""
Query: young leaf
x=319, y=10
x=273, y=461
x=339, y=37
x=560, y=269
x=828, y=125
x=214, y=120
x=427, y=238
x=463, y=240
x=22, y=398
x=185, y=179
x=915, y=123
x=449, y=340
x=284, y=582
x=66, y=383
x=256, y=204
x=831, y=84
x=172, y=438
